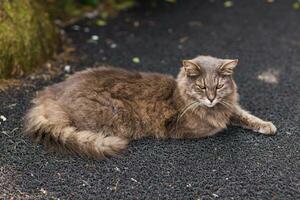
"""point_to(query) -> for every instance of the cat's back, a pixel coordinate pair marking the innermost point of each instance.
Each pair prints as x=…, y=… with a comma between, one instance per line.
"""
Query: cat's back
x=119, y=83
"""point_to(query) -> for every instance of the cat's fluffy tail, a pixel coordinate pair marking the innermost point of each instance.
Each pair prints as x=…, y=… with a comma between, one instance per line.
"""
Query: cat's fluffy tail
x=49, y=125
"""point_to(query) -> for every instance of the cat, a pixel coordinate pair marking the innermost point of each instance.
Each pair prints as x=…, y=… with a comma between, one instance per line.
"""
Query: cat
x=96, y=112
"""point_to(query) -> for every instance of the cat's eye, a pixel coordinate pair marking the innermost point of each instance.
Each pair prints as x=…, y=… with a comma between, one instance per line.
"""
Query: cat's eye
x=220, y=86
x=202, y=87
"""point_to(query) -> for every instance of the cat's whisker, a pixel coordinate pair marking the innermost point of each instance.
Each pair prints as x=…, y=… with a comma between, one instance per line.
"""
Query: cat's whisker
x=226, y=104
x=196, y=106
x=185, y=109
x=223, y=104
x=188, y=107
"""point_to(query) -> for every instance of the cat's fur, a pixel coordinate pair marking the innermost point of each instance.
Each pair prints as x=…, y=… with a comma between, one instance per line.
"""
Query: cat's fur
x=96, y=112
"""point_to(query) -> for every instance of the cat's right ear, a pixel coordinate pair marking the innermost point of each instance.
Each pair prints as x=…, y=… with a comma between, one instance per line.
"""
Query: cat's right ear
x=191, y=68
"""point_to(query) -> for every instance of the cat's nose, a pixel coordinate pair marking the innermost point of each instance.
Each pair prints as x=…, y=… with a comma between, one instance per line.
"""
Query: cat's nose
x=211, y=95
x=211, y=98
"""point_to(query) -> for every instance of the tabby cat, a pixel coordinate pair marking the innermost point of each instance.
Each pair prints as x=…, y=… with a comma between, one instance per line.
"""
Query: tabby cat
x=96, y=112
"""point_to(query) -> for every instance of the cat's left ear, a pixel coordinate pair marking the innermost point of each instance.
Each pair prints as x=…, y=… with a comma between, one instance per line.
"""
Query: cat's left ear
x=191, y=68
x=228, y=66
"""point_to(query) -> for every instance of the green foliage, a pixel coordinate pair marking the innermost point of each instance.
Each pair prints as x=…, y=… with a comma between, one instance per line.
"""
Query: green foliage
x=121, y=4
x=296, y=5
x=62, y=8
x=27, y=37
x=65, y=9
x=228, y=4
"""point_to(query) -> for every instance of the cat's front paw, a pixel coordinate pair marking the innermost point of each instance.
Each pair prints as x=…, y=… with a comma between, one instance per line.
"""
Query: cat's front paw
x=267, y=128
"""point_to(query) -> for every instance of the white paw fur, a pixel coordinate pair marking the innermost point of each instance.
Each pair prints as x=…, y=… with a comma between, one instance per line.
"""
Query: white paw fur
x=267, y=128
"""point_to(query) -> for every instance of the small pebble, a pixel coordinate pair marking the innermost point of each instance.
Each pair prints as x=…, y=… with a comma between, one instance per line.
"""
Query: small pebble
x=134, y=180
x=183, y=39
x=215, y=195
x=86, y=29
x=12, y=105
x=113, y=45
x=136, y=60
x=95, y=37
x=43, y=191
x=67, y=68
x=3, y=118
x=136, y=24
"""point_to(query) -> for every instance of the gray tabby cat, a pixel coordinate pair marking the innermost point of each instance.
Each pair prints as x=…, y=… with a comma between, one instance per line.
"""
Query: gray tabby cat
x=96, y=112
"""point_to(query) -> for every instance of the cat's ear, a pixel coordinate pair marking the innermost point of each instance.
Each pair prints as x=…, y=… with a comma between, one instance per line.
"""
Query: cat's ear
x=228, y=66
x=191, y=68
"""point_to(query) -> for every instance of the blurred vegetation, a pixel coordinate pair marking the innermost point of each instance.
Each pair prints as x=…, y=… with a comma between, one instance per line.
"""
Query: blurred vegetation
x=296, y=5
x=27, y=37
x=66, y=9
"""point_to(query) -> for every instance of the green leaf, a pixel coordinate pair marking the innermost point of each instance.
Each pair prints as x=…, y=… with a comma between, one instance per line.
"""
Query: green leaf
x=136, y=60
x=101, y=22
x=122, y=5
x=296, y=5
x=228, y=4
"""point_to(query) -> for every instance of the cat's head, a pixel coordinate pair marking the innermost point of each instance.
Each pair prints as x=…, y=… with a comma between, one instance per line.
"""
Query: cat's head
x=208, y=80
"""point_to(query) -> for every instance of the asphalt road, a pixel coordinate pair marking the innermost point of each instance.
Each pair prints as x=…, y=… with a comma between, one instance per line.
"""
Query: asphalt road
x=235, y=164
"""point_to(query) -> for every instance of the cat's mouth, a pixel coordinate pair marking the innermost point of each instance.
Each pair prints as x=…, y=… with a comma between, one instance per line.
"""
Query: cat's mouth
x=210, y=104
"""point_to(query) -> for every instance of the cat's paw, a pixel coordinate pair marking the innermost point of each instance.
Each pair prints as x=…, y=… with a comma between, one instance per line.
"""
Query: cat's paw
x=267, y=128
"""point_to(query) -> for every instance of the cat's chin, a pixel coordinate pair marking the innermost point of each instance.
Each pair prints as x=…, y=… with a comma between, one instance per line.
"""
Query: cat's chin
x=211, y=105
